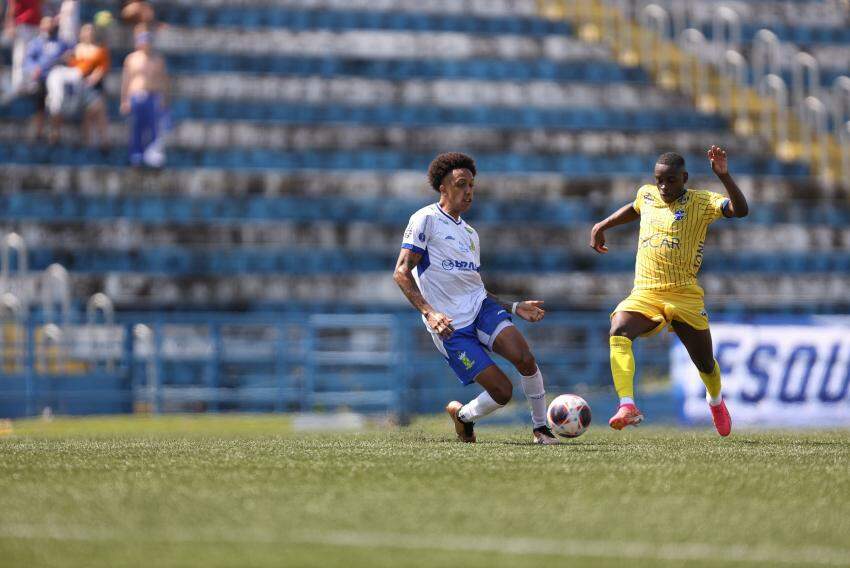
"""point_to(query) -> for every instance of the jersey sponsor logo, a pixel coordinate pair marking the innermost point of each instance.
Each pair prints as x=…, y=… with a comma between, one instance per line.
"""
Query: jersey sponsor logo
x=462, y=265
x=699, y=255
x=659, y=240
x=465, y=361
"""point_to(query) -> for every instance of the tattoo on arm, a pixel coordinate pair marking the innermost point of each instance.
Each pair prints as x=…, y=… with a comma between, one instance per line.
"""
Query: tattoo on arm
x=403, y=277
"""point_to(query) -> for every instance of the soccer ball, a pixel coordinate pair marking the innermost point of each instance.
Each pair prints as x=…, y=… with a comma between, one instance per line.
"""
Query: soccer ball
x=568, y=415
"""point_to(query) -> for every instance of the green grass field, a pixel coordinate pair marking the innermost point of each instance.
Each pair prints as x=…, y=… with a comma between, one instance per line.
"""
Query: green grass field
x=250, y=491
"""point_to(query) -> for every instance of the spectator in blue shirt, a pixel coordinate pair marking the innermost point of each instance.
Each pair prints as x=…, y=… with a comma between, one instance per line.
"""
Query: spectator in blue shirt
x=44, y=52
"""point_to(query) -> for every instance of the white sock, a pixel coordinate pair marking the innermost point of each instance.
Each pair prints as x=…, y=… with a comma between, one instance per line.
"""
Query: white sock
x=714, y=401
x=627, y=400
x=478, y=407
x=535, y=393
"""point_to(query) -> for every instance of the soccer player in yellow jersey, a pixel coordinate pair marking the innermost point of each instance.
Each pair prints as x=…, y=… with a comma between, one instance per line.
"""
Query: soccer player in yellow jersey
x=673, y=223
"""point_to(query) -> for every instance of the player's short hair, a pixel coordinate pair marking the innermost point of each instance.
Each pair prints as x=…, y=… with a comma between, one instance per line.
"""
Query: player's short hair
x=671, y=159
x=444, y=164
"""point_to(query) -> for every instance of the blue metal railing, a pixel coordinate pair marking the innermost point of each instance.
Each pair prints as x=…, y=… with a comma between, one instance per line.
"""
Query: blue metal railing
x=275, y=363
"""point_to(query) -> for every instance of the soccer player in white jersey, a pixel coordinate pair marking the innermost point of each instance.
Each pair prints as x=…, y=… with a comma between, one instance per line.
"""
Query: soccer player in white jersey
x=437, y=270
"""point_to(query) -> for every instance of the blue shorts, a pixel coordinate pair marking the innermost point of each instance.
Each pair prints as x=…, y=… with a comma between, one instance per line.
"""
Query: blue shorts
x=468, y=349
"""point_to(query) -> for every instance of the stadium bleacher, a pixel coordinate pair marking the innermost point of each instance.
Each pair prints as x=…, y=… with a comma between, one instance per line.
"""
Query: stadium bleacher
x=302, y=131
x=208, y=362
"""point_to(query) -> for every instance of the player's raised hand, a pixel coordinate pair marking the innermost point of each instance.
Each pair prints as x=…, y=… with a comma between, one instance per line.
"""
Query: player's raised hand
x=531, y=310
x=597, y=239
x=441, y=323
x=717, y=156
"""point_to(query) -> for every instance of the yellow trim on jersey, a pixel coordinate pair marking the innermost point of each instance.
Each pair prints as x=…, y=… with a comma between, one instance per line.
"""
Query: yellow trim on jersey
x=672, y=236
x=682, y=304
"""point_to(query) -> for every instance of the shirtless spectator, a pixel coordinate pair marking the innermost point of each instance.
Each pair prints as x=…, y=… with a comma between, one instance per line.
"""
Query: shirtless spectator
x=144, y=88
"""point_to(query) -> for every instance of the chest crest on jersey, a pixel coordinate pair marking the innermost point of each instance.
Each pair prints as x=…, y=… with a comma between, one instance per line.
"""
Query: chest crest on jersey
x=459, y=243
x=679, y=215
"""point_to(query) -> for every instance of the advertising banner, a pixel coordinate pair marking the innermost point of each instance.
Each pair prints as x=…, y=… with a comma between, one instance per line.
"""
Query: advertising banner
x=773, y=375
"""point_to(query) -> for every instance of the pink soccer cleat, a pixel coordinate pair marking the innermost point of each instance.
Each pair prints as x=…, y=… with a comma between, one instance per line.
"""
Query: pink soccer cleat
x=721, y=418
x=627, y=415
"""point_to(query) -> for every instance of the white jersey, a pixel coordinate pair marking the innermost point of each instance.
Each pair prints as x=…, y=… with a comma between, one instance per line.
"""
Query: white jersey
x=447, y=275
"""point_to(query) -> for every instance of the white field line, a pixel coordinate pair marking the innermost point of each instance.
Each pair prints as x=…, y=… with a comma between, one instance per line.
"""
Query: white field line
x=566, y=548
x=827, y=556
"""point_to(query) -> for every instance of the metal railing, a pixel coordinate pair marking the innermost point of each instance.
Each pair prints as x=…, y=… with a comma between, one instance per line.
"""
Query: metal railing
x=296, y=362
x=715, y=70
x=12, y=334
x=774, y=118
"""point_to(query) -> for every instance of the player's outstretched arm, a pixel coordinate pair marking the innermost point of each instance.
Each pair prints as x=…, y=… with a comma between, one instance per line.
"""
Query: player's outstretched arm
x=719, y=164
x=623, y=215
x=403, y=276
x=529, y=310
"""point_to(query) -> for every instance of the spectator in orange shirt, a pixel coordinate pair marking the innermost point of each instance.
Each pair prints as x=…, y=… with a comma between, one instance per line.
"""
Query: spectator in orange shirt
x=92, y=58
x=79, y=86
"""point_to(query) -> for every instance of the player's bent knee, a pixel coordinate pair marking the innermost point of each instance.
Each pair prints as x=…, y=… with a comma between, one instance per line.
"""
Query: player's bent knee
x=619, y=330
x=501, y=392
x=526, y=364
x=704, y=366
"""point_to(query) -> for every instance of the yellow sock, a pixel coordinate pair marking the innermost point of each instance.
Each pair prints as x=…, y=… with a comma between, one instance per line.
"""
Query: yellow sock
x=623, y=366
x=712, y=383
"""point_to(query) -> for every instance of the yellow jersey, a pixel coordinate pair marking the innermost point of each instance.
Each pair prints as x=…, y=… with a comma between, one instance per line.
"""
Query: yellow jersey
x=672, y=236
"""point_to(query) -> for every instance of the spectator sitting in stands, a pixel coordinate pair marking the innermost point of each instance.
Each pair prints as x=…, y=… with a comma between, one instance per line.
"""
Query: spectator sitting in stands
x=21, y=25
x=43, y=53
x=79, y=87
x=144, y=86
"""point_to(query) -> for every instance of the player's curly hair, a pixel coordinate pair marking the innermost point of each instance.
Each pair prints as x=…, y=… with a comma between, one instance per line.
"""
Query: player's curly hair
x=671, y=159
x=444, y=164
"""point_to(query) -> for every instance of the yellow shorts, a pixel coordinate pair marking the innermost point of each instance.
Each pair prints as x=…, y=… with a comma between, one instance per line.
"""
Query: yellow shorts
x=682, y=304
